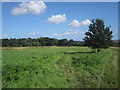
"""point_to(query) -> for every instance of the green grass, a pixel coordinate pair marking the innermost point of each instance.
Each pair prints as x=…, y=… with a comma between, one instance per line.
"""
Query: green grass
x=59, y=67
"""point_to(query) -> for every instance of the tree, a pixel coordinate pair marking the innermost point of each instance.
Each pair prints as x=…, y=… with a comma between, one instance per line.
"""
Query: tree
x=63, y=42
x=71, y=42
x=98, y=36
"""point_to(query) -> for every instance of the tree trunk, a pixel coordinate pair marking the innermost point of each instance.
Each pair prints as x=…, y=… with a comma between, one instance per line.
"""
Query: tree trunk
x=98, y=49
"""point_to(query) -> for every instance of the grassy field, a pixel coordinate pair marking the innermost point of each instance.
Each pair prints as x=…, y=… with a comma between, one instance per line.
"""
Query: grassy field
x=59, y=67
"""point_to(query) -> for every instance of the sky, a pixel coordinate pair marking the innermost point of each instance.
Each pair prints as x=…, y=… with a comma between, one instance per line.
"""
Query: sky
x=59, y=20
x=64, y=0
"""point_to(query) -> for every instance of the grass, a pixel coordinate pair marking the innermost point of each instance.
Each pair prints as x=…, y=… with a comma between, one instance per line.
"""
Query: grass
x=59, y=67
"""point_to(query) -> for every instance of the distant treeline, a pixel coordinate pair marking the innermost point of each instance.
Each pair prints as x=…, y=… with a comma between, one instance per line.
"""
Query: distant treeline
x=42, y=41
x=116, y=43
x=45, y=41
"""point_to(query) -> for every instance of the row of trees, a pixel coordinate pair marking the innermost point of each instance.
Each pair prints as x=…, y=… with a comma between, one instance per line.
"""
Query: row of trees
x=42, y=41
x=45, y=41
x=116, y=43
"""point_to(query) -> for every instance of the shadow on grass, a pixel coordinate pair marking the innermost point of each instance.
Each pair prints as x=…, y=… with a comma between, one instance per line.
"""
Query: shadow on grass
x=78, y=52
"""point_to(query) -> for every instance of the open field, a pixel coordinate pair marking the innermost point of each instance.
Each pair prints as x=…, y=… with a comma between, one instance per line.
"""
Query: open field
x=59, y=67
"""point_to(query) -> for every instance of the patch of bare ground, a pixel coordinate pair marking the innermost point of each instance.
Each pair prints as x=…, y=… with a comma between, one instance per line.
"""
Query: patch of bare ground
x=13, y=47
x=45, y=46
x=115, y=47
x=25, y=47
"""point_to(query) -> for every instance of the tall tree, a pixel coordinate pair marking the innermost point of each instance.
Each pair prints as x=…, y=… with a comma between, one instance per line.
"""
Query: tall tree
x=98, y=36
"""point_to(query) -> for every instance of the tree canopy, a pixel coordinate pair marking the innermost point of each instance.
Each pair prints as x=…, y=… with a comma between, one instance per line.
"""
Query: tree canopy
x=98, y=36
x=42, y=41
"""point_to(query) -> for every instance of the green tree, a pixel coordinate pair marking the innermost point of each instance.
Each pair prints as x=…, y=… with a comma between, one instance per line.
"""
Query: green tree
x=63, y=42
x=98, y=36
x=71, y=42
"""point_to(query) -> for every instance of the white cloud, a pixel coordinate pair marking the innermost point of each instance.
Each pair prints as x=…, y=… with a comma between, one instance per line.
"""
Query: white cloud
x=34, y=33
x=67, y=33
x=70, y=30
x=57, y=19
x=4, y=35
x=77, y=31
x=35, y=8
x=70, y=33
x=57, y=35
x=76, y=23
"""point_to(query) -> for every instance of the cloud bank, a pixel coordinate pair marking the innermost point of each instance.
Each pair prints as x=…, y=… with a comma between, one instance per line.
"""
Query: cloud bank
x=34, y=33
x=4, y=35
x=70, y=33
x=57, y=19
x=76, y=23
x=35, y=8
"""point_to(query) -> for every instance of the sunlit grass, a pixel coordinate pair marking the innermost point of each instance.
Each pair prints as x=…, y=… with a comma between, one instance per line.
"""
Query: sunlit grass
x=59, y=67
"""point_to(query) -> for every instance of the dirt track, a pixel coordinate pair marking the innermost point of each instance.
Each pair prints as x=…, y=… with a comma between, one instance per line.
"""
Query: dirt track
x=13, y=47
x=24, y=47
x=115, y=47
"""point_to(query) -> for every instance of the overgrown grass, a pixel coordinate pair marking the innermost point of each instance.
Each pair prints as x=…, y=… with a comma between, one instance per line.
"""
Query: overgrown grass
x=59, y=67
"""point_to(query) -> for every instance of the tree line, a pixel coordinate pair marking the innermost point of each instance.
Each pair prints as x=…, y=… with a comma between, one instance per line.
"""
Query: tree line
x=42, y=41
x=45, y=41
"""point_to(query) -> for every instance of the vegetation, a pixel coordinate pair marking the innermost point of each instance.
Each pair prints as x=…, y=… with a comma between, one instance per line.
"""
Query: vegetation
x=116, y=43
x=59, y=67
x=98, y=36
x=45, y=41
x=42, y=41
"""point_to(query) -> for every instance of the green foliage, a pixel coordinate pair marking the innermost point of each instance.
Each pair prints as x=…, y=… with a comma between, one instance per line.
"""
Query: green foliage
x=59, y=67
x=98, y=36
x=42, y=41
x=116, y=43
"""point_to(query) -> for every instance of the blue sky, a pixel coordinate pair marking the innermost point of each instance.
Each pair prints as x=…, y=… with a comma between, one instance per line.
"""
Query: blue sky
x=57, y=19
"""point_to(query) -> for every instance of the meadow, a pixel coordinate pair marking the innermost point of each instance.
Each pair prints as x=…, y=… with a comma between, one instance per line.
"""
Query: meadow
x=59, y=67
